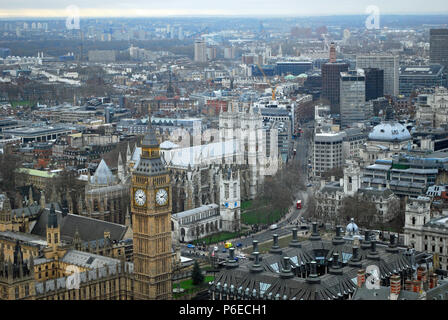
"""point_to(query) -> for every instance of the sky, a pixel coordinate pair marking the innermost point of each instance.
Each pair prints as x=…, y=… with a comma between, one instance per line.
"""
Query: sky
x=158, y=8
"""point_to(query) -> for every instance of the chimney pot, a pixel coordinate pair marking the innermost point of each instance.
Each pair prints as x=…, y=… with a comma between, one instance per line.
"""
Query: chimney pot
x=361, y=277
x=395, y=284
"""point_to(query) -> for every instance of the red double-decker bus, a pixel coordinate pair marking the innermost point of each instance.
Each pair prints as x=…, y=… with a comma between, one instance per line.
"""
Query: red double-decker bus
x=299, y=204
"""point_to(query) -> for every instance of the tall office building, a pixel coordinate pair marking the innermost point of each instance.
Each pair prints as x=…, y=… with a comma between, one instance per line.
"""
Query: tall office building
x=330, y=83
x=327, y=151
x=200, y=51
x=415, y=77
x=438, y=50
x=352, y=97
x=374, y=83
x=389, y=64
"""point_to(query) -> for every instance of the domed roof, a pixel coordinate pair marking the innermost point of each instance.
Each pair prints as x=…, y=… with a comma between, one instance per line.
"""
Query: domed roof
x=352, y=228
x=389, y=131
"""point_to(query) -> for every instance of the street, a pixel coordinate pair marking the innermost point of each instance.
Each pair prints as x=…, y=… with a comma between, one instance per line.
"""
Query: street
x=285, y=225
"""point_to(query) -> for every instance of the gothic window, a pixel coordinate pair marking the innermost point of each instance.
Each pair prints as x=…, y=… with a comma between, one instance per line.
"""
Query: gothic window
x=413, y=220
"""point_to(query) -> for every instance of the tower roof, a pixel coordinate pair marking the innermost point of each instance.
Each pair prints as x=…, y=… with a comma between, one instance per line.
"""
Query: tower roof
x=52, y=218
x=103, y=175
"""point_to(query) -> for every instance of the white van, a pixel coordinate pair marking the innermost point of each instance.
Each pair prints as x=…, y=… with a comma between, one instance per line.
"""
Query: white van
x=273, y=227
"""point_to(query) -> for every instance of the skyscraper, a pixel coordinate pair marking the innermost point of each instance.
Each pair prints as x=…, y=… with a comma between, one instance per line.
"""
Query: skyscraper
x=374, y=83
x=389, y=64
x=332, y=53
x=438, y=50
x=330, y=83
x=200, y=51
x=352, y=97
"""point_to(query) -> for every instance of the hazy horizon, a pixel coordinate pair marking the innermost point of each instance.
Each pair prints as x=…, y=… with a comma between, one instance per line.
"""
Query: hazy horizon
x=204, y=8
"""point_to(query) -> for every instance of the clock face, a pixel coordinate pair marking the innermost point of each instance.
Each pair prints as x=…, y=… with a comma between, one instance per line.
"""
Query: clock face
x=140, y=197
x=161, y=197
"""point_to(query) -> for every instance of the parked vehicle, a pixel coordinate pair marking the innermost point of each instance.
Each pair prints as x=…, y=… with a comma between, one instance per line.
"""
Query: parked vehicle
x=273, y=227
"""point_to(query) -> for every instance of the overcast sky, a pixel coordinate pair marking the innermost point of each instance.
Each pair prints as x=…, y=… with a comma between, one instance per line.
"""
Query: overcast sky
x=117, y=8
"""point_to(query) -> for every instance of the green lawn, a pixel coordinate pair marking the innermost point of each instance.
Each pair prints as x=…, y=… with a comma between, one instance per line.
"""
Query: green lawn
x=219, y=237
x=15, y=103
x=188, y=284
x=246, y=205
x=262, y=216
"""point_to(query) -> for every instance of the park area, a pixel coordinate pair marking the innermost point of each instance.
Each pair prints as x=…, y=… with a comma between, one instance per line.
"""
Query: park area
x=260, y=214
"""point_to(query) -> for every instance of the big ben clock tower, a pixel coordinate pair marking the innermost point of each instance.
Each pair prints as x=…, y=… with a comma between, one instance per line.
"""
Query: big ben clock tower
x=151, y=215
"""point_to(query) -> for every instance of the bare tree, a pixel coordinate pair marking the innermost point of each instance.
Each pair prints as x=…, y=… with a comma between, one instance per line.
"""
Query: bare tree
x=9, y=163
x=361, y=209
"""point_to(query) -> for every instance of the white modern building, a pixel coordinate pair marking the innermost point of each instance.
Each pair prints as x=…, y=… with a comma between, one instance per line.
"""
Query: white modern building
x=352, y=97
x=389, y=64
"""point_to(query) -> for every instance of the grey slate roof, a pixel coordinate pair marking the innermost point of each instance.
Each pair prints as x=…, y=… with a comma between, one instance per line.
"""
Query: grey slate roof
x=338, y=283
x=89, y=229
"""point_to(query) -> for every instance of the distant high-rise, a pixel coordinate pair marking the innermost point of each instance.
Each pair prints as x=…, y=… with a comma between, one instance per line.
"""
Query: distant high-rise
x=330, y=83
x=332, y=53
x=374, y=83
x=438, y=50
x=352, y=97
x=389, y=64
x=200, y=51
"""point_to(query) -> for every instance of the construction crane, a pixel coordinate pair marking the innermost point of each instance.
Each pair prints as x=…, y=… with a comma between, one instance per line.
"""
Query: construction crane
x=273, y=88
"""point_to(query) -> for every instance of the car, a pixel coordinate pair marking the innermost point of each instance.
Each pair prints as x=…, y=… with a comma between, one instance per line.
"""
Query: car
x=215, y=248
x=191, y=246
x=309, y=185
x=224, y=250
x=273, y=227
x=239, y=244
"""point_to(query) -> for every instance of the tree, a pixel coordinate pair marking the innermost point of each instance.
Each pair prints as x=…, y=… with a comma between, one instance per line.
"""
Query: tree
x=196, y=275
x=337, y=173
x=360, y=208
x=9, y=163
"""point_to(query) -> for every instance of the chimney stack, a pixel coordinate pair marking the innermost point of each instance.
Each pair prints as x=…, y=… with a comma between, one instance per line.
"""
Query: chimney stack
x=355, y=260
x=295, y=241
x=256, y=266
x=313, y=276
x=361, y=277
x=417, y=285
x=408, y=285
x=395, y=286
x=338, y=239
x=420, y=272
x=392, y=244
x=275, y=247
x=286, y=272
x=231, y=263
x=254, y=249
x=432, y=280
x=315, y=234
